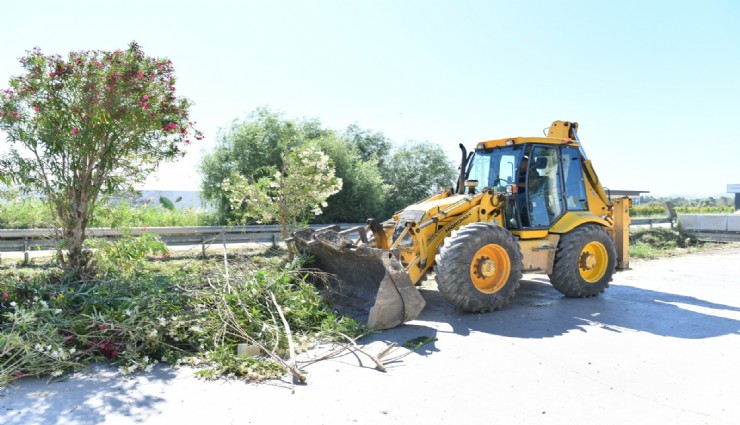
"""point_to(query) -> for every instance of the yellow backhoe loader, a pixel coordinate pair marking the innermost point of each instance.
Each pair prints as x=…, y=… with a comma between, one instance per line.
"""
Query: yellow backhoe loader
x=521, y=205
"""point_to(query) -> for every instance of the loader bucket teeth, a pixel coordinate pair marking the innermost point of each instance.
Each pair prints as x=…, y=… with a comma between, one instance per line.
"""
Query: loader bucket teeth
x=367, y=279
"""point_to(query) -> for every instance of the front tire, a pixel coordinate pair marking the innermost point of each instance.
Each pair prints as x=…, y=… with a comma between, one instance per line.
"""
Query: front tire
x=478, y=267
x=584, y=262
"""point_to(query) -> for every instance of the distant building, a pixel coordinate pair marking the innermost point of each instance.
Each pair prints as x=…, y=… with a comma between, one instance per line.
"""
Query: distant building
x=634, y=195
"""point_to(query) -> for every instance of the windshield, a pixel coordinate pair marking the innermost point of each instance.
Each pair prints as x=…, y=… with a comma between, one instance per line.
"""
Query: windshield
x=495, y=168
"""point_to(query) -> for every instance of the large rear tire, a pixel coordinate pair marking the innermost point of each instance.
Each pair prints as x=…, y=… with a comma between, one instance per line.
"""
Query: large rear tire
x=584, y=262
x=478, y=267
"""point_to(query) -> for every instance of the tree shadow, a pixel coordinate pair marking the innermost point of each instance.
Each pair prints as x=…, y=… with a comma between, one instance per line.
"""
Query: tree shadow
x=83, y=398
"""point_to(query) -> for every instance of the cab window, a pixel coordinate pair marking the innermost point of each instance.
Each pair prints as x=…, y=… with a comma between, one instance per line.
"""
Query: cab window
x=575, y=188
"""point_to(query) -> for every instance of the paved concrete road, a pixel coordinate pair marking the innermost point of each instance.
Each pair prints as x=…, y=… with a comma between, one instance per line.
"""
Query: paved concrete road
x=662, y=345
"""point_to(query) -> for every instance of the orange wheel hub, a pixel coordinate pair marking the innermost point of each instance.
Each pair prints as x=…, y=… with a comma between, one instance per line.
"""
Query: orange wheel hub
x=490, y=268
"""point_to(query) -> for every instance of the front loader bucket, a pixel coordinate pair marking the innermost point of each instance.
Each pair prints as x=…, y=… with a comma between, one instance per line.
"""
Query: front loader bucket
x=368, y=279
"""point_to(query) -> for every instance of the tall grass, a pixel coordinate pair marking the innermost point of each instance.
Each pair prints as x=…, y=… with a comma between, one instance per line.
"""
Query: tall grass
x=32, y=213
x=24, y=214
x=124, y=215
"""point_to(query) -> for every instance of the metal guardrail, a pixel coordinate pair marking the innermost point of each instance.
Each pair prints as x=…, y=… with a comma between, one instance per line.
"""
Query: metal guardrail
x=651, y=221
x=24, y=240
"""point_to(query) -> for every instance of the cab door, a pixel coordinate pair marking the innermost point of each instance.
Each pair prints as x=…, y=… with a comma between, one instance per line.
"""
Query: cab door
x=544, y=187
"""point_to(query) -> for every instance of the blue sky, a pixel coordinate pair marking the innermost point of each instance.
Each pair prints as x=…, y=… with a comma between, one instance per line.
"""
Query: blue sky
x=654, y=85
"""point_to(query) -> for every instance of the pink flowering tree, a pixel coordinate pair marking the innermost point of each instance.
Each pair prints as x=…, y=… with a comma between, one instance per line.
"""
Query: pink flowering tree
x=89, y=125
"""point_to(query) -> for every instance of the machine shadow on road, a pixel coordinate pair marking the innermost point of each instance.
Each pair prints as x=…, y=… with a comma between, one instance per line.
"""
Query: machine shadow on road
x=539, y=311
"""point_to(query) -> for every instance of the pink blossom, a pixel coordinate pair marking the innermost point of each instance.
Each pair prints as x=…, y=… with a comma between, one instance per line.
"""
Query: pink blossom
x=74, y=131
x=187, y=141
x=36, y=108
x=51, y=75
x=146, y=97
x=139, y=75
x=6, y=296
x=170, y=126
x=107, y=88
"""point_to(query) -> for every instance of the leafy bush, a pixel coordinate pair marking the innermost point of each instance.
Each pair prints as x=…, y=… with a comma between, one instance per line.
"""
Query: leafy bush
x=126, y=255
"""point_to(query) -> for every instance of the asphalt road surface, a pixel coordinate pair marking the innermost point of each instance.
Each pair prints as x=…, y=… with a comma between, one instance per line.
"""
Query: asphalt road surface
x=662, y=345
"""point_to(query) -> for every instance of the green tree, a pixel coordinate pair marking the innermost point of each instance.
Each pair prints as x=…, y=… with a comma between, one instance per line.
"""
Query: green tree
x=363, y=191
x=414, y=172
x=251, y=146
x=371, y=145
x=88, y=125
x=290, y=195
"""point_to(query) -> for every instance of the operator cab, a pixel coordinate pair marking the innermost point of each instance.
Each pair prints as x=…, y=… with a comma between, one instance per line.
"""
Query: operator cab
x=542, y=181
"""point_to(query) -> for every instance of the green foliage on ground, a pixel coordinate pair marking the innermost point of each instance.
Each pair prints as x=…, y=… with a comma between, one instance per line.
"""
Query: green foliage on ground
x=145, y=306
x=655, y=242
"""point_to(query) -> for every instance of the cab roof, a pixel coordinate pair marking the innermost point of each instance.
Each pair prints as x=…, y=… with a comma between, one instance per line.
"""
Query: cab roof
x=512, y=141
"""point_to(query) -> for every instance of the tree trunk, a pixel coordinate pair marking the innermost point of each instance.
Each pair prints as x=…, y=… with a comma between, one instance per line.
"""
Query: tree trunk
x=74, y=228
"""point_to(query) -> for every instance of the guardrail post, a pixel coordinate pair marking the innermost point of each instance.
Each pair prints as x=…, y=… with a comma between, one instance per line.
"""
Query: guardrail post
x=25, y=251
x=274, y=241
x=203, y=245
